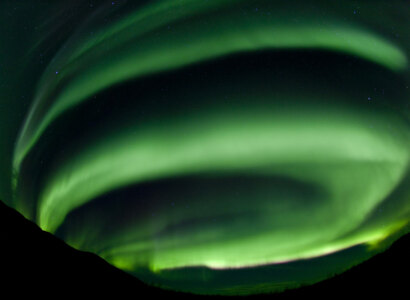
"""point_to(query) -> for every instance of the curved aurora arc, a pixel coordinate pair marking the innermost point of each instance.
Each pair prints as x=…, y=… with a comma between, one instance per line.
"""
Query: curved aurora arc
x=158, y=139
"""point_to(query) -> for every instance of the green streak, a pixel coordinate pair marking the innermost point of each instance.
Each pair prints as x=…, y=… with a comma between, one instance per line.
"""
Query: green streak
x=226, y=173
x=144, y=49
x=255, y=141
x=244, y=253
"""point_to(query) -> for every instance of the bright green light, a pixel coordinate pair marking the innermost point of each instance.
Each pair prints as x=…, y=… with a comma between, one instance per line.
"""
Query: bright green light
x=207, y=37
x=171, y=139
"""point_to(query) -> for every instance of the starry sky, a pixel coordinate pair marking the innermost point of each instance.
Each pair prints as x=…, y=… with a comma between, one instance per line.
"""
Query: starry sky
x=215, y=147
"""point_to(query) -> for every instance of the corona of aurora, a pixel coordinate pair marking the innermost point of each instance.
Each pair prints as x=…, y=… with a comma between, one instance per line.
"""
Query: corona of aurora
x=210, y=146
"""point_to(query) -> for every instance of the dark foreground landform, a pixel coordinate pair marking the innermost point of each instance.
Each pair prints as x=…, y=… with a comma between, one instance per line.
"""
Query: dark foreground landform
x=32, y=261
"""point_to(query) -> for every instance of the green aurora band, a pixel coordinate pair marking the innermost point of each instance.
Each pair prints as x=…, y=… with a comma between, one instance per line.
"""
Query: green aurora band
x=143, y=143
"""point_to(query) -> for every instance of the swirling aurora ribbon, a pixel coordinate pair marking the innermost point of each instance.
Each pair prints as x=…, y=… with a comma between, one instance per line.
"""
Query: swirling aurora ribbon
x=183, y=138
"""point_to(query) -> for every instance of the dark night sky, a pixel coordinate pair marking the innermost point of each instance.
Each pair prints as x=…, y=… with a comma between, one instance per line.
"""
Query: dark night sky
x=38, y=38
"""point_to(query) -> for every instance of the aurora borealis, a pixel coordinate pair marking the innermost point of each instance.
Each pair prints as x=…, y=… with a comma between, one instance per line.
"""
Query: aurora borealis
x=214, y=147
